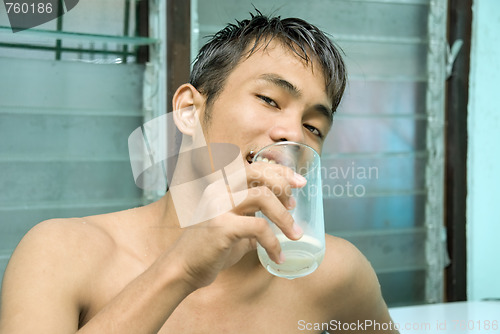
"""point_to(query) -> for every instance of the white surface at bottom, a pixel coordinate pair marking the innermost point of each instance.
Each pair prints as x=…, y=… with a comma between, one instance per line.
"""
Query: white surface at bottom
x=459, y=317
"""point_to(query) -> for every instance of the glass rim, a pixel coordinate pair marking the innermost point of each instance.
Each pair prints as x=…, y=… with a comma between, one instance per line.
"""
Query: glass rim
x=286, y=143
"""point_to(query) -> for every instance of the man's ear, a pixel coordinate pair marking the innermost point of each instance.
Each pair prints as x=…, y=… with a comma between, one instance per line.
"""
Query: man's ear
x=187, y=104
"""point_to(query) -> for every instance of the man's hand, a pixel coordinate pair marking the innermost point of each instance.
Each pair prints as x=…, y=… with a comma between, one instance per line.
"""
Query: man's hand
x=209, y=247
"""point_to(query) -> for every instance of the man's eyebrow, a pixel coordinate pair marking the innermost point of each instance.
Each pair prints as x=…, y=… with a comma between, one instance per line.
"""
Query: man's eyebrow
x=280, y=82
x=324, y=110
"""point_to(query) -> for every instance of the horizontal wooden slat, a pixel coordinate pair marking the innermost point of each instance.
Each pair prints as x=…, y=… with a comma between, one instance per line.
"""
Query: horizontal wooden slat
x=82, y=37
x=374, y=175
x=61, y=181
x=39, y=136
x=392, y=250
x=356, y=214
x=337, y=17
x=375, y=135
x=50, y=84
x=74, y=111
x=16, y=221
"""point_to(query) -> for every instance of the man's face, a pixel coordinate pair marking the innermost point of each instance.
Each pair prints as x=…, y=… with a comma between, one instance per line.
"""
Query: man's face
x=269, y=97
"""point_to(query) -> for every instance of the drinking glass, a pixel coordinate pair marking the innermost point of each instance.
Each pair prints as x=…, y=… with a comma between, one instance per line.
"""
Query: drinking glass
x=302, y=256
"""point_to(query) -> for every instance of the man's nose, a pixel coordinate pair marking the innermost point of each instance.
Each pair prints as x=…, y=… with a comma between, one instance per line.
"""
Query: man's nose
x=287, y=130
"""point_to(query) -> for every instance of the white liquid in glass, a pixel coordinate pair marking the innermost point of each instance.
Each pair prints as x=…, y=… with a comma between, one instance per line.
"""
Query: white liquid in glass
x=302, y=257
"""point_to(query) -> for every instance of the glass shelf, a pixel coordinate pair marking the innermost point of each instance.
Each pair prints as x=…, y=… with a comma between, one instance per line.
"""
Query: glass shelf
x=30, y=33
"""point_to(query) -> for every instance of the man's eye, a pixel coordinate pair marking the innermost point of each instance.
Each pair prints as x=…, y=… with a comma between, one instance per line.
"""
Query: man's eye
x=313, y=130
x=268, y=100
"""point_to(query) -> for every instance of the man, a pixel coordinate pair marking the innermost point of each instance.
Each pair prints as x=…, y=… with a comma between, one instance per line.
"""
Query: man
x=257, y=82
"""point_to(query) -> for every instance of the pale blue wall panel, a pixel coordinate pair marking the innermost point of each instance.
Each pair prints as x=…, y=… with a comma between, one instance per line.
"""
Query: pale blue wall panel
x=483, y=175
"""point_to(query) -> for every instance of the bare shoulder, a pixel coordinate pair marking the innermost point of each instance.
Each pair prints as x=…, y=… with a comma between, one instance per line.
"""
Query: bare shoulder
x=342, y=262
x=66, y=247
x=347, y=284
x=46, y=275
x=62, y=239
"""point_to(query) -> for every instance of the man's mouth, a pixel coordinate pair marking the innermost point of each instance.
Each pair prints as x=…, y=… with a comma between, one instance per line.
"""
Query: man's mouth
x=269, y=161
x=251, y=155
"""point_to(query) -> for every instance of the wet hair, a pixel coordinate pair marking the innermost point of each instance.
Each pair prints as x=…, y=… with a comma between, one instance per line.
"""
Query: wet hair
x=223, y=52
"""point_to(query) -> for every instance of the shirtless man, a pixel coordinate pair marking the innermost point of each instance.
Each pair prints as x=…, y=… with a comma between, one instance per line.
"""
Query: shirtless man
x=257, y=82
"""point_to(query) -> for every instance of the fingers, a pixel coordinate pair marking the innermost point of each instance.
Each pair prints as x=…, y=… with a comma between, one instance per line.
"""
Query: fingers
x=258, y=229
x=279, y=179
x=264, y=200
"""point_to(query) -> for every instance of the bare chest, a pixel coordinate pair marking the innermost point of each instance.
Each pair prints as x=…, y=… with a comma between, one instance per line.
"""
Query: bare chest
x=279, y=308
x=254, y=306
x=262, y=318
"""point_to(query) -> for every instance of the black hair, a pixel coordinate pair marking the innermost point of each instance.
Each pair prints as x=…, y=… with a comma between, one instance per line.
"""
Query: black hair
x=222, y=53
